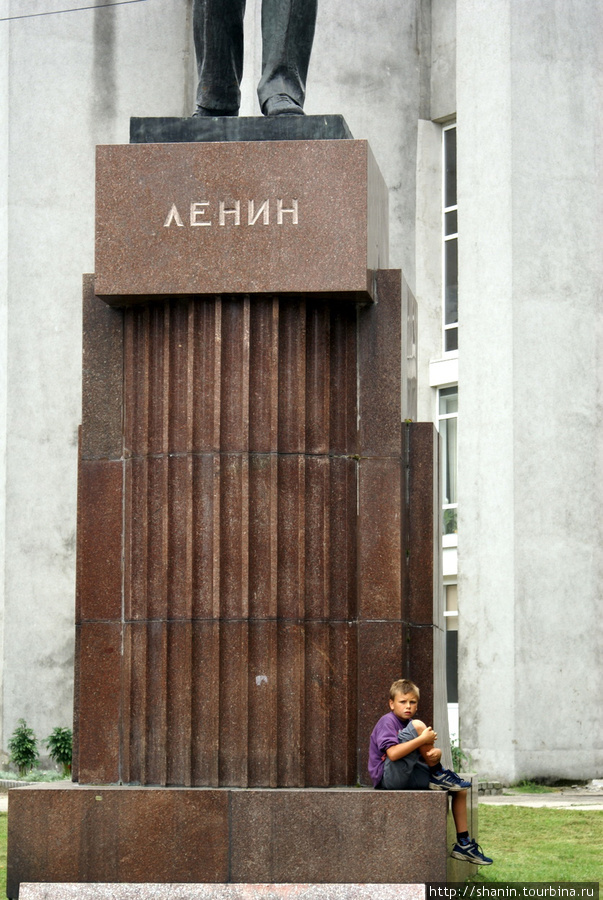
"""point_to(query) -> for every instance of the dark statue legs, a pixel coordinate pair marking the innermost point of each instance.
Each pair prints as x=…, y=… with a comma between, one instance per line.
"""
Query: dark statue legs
x=287, y=36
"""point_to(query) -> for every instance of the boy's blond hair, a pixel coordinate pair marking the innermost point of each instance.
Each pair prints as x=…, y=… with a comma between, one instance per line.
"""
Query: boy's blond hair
x=404, y=686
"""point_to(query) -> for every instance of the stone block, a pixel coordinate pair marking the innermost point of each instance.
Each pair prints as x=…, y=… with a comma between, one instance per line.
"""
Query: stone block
x=287, y=217
x=180, y=835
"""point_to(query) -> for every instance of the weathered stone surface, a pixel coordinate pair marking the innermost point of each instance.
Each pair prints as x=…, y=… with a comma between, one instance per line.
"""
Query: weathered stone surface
x=222, y=892
x=301, y=217
x=180, y=835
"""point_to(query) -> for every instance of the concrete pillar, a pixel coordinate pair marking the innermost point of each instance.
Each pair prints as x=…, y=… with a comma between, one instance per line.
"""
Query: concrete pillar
x=531, y=442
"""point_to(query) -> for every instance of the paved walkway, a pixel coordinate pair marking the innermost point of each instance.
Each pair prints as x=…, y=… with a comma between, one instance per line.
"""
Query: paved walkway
x=566, y=798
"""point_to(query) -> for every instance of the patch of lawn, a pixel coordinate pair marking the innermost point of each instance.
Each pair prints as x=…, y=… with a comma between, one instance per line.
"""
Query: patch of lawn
x=532, y=787
x=541, y=844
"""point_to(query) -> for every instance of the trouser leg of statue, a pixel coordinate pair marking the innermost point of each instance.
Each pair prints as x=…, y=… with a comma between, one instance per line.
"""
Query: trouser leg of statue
x=287, y=35
x=218, y=36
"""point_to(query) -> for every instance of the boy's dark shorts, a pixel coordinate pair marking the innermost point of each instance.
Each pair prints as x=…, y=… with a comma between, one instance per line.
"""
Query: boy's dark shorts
x=410, y=773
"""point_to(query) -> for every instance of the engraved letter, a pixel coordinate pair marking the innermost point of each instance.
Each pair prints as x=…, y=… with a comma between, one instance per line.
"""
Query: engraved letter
x=173, y=216
x=197, y=211
x=253, y=216
x=232, y=211
x=280, y=210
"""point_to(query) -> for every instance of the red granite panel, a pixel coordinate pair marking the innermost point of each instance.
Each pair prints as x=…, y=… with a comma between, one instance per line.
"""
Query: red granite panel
x=338, y=836
x=263, y=531
x=379, y=539
x=381, y=659
x=134, y=704
x=379, y=369
x=343, y=378
x=291, y=535
x=234, y=535
x=292, y=377
x=180, y=537
x=206, y=536
x=421, y=667
x=317, y=537
x=102, y=376
x=207, y=363
x=160, y=204
x=98, y=691
x=342, y=706
x=136, y=380
x=124, y=835
x=99, y=528
x=156, y=549
x=424, y=540
x=318, y=381
x=180, y=405
x=263, y=704
x=157, y=394
x=156, y=695
x=179, y=694
x=234, y=401
x=291, y=711
x=343, y=538
x=136, y=531
x=205, y=702
x=263, y=375
x=233, y=709
x=317, y=735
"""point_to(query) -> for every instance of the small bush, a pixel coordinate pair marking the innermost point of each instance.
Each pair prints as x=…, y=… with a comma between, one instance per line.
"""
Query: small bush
x=23, y=747
x=461, y=761
x=60, y=746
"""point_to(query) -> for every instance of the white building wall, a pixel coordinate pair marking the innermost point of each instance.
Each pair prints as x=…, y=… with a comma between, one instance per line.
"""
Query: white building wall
x=529, y=94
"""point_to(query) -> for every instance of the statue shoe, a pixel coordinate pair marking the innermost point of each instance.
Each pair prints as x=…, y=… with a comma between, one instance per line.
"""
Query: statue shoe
x=282, y=105
x=201, y=111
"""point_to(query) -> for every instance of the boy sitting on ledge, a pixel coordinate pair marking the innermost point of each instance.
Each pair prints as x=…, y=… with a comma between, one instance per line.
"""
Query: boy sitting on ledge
x=402, y=757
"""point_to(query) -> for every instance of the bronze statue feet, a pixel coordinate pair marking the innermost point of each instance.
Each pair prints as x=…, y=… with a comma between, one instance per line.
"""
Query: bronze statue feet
x=282, y=105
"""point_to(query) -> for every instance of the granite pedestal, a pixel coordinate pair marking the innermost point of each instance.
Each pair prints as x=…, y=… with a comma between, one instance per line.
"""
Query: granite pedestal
x=258, y=530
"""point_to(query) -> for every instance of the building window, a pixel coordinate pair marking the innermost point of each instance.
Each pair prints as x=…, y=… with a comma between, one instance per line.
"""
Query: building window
x=450, y=226
x=452, y=647
x=448, y=410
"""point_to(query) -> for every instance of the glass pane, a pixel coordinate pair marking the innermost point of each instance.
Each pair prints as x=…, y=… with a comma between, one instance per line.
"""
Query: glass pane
x=449, y=519
x=451, y=339
x=451, y=279
x=448, y=431
x=449, y=401
x=452, y=664
x=450, y=167
x=451, y=222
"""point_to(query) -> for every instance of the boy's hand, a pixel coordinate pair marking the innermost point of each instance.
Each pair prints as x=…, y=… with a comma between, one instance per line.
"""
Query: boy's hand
x=429, y=736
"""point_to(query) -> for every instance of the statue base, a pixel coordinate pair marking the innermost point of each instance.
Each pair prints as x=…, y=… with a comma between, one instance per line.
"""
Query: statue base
x=172, y=835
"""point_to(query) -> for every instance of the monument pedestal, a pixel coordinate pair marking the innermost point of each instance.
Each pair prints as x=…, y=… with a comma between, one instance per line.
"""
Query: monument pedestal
x=258, y=531
x=268, y=836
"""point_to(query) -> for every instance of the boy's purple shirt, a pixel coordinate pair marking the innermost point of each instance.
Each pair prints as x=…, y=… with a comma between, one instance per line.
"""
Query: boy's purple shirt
x=385, y=734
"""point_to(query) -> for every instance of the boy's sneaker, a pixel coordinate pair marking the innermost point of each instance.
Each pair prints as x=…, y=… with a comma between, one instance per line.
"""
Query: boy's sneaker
x=471, y=852
x=445, y=780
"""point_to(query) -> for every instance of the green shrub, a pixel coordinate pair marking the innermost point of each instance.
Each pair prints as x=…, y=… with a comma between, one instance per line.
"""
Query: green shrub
x=23, y=747
x=60, y=745
x=461, y=761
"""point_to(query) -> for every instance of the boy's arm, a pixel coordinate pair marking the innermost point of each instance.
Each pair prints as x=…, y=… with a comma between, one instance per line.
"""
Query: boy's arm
x=398, y=751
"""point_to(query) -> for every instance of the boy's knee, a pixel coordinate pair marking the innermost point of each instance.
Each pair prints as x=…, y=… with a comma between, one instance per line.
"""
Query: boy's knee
x=419, y=726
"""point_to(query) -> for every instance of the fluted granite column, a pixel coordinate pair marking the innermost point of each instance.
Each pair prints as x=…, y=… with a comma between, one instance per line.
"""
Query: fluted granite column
x=241, y=581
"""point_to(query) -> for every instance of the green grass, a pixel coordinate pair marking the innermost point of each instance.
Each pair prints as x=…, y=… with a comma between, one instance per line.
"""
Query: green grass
x=541, y=844
x=532, y=787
